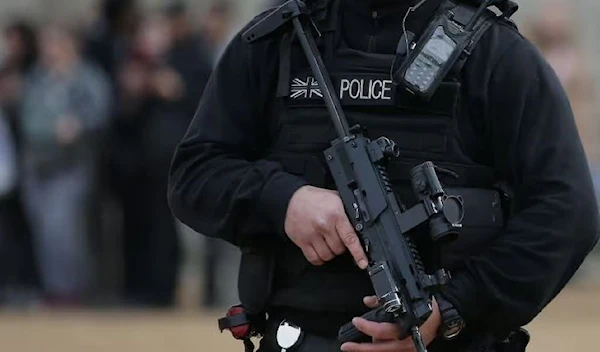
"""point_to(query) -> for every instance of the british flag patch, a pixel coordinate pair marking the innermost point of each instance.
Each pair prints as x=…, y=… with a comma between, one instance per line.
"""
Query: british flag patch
x=305, y=89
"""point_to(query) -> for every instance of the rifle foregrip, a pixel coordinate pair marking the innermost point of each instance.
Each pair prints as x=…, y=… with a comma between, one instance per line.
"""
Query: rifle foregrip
x=349, y=333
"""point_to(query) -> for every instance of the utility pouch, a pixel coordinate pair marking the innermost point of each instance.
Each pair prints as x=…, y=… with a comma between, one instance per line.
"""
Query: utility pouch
x=255, y=279
x=439, y=48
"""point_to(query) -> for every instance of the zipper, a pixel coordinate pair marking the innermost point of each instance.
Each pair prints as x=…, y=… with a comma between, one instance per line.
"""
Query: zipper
x=372, y=38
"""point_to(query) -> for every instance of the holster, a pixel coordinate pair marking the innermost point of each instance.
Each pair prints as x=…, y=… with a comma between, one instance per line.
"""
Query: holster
x=243, y=325
x=248, y=319
x=255, y=280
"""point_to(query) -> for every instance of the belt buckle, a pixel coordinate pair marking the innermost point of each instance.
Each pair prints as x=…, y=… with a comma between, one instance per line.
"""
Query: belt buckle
x=288, y=335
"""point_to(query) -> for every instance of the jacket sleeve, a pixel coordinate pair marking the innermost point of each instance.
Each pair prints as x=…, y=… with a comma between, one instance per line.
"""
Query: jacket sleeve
x=221, y=184
x=555, y=221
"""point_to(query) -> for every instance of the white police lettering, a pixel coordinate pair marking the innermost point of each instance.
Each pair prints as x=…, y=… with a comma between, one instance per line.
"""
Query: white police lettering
x=366, y=89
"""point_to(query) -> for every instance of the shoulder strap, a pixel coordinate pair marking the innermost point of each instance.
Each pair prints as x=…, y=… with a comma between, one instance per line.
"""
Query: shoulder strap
x=463, y=14
x=464, y=11
x=285, y=60
x=324, y=14
x=506, y=7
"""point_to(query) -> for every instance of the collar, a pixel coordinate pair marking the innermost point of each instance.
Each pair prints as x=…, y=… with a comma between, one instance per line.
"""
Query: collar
x=388, y=7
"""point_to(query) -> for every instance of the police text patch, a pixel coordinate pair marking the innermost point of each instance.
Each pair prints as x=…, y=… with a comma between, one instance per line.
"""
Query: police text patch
x=352, y=89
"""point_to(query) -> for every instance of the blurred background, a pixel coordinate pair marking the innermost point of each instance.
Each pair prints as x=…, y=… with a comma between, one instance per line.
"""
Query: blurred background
x=94, y=97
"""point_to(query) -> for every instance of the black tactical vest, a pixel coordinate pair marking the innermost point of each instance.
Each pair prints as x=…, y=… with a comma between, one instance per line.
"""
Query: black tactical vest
x=424, y=131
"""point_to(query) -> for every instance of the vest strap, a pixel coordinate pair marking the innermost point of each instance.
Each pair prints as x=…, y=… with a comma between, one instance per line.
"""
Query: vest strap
x=475, y=176
x=462, y=15
x=325, y=14
x=285, y=53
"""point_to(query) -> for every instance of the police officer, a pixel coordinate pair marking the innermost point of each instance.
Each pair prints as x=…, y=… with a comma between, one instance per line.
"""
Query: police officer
x=250, y=171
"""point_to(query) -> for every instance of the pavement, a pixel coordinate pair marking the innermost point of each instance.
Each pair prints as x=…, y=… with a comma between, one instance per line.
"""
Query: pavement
x=570, y=323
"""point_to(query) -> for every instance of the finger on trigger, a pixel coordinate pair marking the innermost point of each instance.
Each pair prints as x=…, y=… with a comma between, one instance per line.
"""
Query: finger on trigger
x=351, y=241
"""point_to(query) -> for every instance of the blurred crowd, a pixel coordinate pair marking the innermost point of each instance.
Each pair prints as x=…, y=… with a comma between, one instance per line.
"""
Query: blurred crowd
x=89, y=119
x=557, y=34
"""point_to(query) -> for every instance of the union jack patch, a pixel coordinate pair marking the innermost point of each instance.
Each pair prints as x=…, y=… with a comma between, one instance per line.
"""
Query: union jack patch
x=307, y=89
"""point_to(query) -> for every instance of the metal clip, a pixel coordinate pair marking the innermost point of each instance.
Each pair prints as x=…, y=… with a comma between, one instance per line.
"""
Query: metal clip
x=288, y=335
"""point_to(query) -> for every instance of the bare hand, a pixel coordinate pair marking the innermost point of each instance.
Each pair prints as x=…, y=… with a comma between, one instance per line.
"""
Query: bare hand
x=68, y=129
x=385, y=335
x=133, y=80
x=11, y=84
x=317, y=223
x=168, y=84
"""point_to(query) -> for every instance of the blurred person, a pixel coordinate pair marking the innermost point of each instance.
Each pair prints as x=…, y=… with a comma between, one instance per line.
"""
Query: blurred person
x=188, y=56
x=110, y=37
x=8, y=186
x=8, y=163
x=216, y=27
x=159, y=85
x=65, y=107
x=21, y=47
x=19, y=57
x=144, y=275
x=192, y=56
x=554, y=33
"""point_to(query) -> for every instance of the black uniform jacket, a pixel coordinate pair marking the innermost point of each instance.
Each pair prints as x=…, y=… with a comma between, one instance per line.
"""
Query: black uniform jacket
x=221, y=186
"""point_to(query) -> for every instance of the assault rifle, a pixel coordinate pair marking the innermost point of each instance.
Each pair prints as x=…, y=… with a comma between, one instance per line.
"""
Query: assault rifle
x=357, y=164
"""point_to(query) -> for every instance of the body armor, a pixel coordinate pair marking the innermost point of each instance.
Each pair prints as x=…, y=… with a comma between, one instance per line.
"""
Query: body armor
x=425, y=131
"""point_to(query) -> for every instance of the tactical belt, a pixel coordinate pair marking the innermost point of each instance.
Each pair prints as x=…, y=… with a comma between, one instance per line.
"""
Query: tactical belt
x=302, y=341
x=306, y=342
